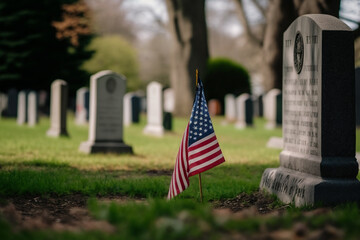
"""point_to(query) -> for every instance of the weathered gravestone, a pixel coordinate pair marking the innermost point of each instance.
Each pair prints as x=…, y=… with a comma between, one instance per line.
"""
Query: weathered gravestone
x=3, y=103
x=214, y=107
x=12, y=104
x=81, y=111
x=244, y=111
x=230, y=108
x=273, y=108
x=33, y=112
x=107, y=90
x=357, y=86
x=154, y=110
x=58, y=106
x=318, y=161
x=22, y=113
x=258, y=106
x=135, y=108
x=169, y=106
x=127, y=109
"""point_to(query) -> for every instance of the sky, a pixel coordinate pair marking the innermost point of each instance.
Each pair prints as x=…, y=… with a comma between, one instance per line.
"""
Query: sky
x=349, y=9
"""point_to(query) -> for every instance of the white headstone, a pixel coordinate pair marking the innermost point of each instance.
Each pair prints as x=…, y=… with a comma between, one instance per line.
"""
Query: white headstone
x=270, y=108
x=22, y=108
x=244, y=111
x=58, y=107
x=169, y=100
x=317, y=164
x=107, y=90
x=128, y=109
x=154, y=110
x=81, y=111
x=230, y=108
x=33, y=114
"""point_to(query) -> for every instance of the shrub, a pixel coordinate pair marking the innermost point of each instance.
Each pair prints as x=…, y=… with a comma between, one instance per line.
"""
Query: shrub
x=225, y=76
x=116, y=54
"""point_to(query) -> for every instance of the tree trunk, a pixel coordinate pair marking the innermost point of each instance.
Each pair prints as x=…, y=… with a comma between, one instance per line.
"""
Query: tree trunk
x=279, y=16
x=189, y=50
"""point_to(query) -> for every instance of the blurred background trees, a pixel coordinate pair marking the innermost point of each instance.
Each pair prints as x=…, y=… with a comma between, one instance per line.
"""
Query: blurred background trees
x=32, y=53
x=152, y=40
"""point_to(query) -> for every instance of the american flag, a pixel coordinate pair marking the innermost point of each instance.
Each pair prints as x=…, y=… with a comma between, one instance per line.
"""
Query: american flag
x=199, y=149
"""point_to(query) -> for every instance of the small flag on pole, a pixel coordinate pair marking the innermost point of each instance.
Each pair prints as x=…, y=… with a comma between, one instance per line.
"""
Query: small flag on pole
x=199, y=149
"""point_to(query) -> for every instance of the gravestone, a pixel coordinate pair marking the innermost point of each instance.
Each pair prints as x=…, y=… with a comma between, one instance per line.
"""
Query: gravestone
x=22, y=112
x=58, y=107
x=230, y=108
x=81, y=110
x=214, y=107
x=273, y=109
x=318, y=161
x=135, y=108
x=3, y=103
x=169, y=105
x=154, y=110
x=244, y=111
x=261, y=105
x=33, y=113
x=44, y=103
x=127, y=109
x=11, y=110
x=357, y=87
x=107, y=90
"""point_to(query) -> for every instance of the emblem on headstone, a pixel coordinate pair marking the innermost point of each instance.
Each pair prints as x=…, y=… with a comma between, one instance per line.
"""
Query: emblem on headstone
x=298, y=52
x=110, y=85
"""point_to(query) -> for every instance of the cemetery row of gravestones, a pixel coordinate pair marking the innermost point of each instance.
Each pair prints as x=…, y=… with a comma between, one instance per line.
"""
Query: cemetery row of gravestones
x=242, y=109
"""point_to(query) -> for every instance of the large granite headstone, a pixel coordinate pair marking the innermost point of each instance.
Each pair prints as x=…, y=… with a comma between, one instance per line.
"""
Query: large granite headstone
x=318, y=161
x=58, y=107
x=22, y=112
x=273, y=109
x=244, y=111
x=33, y=111
x=154, y=110
x=107, y=90
x=81, y=110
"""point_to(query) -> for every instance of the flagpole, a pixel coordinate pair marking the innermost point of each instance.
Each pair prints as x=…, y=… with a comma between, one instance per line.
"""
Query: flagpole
x=200, y=185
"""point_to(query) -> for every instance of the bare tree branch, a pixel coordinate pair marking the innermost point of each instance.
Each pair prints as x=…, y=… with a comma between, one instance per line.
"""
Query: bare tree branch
x=259, y=7
x=245, y=23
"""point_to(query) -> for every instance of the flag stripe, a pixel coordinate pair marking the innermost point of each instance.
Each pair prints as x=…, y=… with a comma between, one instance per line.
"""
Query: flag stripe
x=204, y=151
x=201, y=142
x=203, y=146
x=207, y=157
x=206, y=163
x=214, y=164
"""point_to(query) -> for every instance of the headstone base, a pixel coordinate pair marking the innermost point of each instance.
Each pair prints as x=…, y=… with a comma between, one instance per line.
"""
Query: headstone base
x=305, y=189
x=105, y=147
x=154, y=130
x=56, y=133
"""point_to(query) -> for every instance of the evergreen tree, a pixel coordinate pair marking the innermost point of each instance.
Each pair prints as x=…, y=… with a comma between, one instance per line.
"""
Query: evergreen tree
x=31, y=56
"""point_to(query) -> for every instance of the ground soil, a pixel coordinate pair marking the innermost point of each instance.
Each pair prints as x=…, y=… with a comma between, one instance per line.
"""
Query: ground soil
x=70, y=213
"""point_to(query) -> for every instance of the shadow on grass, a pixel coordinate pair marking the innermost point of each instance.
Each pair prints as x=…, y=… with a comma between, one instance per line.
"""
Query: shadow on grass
x=39, y=178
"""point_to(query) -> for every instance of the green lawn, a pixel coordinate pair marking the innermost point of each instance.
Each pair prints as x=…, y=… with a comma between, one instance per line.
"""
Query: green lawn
x=33, y=164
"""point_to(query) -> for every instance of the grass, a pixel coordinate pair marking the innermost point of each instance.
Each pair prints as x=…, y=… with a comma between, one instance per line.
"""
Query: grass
x=33, y=164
